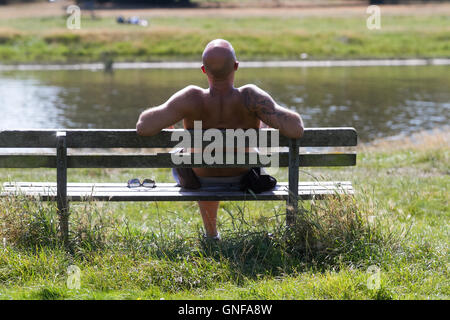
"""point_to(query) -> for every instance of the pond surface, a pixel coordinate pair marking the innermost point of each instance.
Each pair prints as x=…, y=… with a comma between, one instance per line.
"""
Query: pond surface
x=377, y=101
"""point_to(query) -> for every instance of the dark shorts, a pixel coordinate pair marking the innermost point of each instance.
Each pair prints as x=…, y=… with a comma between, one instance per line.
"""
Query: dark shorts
x=215, y=182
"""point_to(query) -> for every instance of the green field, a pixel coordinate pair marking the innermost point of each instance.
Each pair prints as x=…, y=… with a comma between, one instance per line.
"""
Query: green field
x=43, y=40
x=398, y=222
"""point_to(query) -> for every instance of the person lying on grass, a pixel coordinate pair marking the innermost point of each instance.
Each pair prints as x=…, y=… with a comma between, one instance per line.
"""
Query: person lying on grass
x=220, y=106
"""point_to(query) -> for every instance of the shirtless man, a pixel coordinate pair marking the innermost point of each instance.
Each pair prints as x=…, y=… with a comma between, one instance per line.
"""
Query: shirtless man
x=220, y=106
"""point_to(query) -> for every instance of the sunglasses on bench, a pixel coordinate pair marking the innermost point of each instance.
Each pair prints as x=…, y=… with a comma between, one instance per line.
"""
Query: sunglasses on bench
x=135, y=183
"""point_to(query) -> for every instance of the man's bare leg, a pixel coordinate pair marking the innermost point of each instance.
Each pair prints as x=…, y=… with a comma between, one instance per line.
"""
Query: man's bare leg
x=208, y=210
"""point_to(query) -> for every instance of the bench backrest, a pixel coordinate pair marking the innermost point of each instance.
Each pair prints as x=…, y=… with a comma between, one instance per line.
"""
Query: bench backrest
x=127, y=138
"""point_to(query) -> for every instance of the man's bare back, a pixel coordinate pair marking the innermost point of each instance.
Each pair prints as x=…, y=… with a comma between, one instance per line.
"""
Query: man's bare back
x=221, y=110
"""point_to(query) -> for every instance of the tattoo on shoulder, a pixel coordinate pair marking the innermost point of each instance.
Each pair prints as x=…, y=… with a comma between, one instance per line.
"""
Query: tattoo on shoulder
x=260, y=104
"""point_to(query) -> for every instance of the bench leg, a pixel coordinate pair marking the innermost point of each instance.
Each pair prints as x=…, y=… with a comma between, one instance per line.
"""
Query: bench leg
x=63, y=211
x=61, y=177
x=292, y=200
x=291, y=209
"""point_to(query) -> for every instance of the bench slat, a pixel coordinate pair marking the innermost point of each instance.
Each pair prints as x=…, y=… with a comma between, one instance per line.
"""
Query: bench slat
x=27, y=161
x=170, y=192
x=313, y=137
x=161, y=160
x=127, y=138
x=326, y=137
x=163, y=184
x=88, y=191
x=42, y=138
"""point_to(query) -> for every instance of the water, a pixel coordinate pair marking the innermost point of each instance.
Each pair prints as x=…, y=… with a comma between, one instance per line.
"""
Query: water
x=377, y=101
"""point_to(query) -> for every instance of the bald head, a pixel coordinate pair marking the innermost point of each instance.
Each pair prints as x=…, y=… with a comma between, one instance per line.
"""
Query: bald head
x=219, y=58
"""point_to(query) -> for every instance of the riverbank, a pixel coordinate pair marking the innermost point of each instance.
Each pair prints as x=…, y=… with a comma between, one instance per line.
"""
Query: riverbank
x=258, y=34
x=397, y=223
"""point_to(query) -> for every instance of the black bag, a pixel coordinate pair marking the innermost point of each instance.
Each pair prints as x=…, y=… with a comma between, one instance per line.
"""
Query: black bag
x=257, y=182
x=188, y=178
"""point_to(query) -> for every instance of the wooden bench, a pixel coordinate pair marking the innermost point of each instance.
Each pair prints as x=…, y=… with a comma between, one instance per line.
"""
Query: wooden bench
x=63, y=192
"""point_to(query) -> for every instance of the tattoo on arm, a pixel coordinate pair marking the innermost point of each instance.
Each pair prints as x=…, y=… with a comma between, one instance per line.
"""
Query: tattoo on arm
x=261, y=105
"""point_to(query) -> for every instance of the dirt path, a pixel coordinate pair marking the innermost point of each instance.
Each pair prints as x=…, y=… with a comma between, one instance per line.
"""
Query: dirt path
x=45, y=9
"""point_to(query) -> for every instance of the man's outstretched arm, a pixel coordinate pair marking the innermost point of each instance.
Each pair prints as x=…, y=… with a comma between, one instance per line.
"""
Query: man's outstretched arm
x=288, y=122
x=153, y=120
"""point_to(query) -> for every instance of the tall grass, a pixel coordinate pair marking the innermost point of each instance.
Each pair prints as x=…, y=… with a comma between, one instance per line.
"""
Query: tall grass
x=26, y=223
x=327, y=233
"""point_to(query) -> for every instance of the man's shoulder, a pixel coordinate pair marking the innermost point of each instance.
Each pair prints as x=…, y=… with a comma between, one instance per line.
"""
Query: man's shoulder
x=251, y=89
x=190, y=96
x=250, y=92
x=193, y=90
x=248, y=87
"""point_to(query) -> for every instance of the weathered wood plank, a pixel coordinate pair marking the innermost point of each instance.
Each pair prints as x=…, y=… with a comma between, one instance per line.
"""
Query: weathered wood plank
x=292, y=199
x=27, y=161
x=163, y=160
x=192, y=196
x=74, y=185
x=325, y=160
x=313, y=137
x=178, y=194
x=127, y=138
x=61, y=186
x=41, y=138
x=141, y=190
x=328, y=137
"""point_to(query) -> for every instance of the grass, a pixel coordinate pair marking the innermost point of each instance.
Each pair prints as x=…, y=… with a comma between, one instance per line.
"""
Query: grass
x=398, y=221
x=45, y=39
